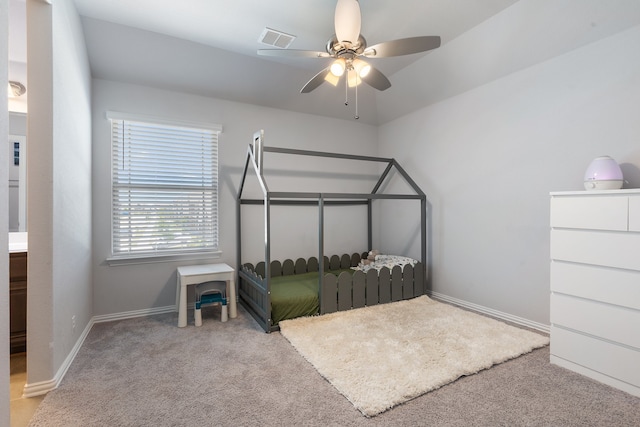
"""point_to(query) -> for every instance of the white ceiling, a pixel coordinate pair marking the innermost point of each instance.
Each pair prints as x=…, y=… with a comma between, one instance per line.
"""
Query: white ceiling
x=209, y=47
x=236, y=25
x=221, y=61
x=224, y=34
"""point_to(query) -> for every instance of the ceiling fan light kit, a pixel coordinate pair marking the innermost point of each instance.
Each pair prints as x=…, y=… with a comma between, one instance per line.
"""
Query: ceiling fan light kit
x=332, y=79
x=348, y=45
x=352, y=81
x=338, y=67
x=361, y=68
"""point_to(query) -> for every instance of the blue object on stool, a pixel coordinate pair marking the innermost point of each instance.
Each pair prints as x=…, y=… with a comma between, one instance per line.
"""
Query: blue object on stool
x=210, y=293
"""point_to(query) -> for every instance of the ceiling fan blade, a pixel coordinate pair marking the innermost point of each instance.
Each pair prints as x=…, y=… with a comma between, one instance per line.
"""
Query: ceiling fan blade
x=376, y=80
x=402, y=47
x=316, y=81
x=348, y=21
x=293, y=53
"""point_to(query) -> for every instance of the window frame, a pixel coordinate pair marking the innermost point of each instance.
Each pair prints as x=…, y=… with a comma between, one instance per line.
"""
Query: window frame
x=160, y=256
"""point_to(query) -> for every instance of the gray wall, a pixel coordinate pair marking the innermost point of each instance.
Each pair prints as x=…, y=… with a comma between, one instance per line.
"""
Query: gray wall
x=4, y=225
x=59, y=187
x=127, y=288
x=489, y=157
x=17, y=124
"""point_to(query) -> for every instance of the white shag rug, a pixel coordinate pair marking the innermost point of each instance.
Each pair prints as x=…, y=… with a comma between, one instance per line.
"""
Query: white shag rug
x=384, y=355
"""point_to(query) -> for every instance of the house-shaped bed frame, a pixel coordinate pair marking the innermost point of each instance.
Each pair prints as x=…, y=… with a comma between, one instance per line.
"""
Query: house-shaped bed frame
x=254, y=283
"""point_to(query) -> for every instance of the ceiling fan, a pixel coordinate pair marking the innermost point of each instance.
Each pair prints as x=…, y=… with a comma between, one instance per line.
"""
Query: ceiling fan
x=347, y=46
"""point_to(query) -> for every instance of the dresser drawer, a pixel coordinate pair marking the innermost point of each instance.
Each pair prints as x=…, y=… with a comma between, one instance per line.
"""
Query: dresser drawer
x=610, y=322
x=606, y=358
x=634, y=214
x=617, y=249
x=593, y=213
x=619, y=287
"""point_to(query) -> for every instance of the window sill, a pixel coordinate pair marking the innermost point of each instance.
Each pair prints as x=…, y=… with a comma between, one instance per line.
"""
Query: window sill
x=153, y=258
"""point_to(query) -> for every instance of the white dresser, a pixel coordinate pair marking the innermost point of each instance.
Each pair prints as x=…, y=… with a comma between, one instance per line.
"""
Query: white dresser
x=595, y=285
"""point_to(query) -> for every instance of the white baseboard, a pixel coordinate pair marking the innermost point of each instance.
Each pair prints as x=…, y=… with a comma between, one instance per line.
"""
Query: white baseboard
x=43, y=387
x=40, y=388
x=491, y=312
x=133, y=314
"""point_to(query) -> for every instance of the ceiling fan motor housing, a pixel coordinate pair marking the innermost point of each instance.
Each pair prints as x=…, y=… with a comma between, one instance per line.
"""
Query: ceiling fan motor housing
x=340, y=49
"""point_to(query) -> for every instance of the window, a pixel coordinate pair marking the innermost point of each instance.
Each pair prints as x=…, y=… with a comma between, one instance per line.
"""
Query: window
x=164, y=187
x=16, y=154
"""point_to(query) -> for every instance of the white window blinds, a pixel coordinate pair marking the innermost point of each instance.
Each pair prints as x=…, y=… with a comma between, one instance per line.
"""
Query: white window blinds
x=164, y=188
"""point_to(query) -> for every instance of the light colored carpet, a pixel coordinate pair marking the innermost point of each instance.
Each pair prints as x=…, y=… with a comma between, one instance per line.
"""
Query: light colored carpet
x=146, y=372
x=384, y=355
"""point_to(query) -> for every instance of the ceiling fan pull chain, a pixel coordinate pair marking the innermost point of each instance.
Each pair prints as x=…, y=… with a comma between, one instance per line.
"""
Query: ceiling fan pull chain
x=346, y=88
x=356, y=116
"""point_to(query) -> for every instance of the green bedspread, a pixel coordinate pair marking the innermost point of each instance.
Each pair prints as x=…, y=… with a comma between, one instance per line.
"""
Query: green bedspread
x=296, y=295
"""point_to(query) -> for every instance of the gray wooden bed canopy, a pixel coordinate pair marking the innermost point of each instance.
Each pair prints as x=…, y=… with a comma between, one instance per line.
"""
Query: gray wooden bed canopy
x=254, y=160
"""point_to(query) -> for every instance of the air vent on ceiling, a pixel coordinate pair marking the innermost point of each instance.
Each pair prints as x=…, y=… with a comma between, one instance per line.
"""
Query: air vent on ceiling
x=276, y=38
